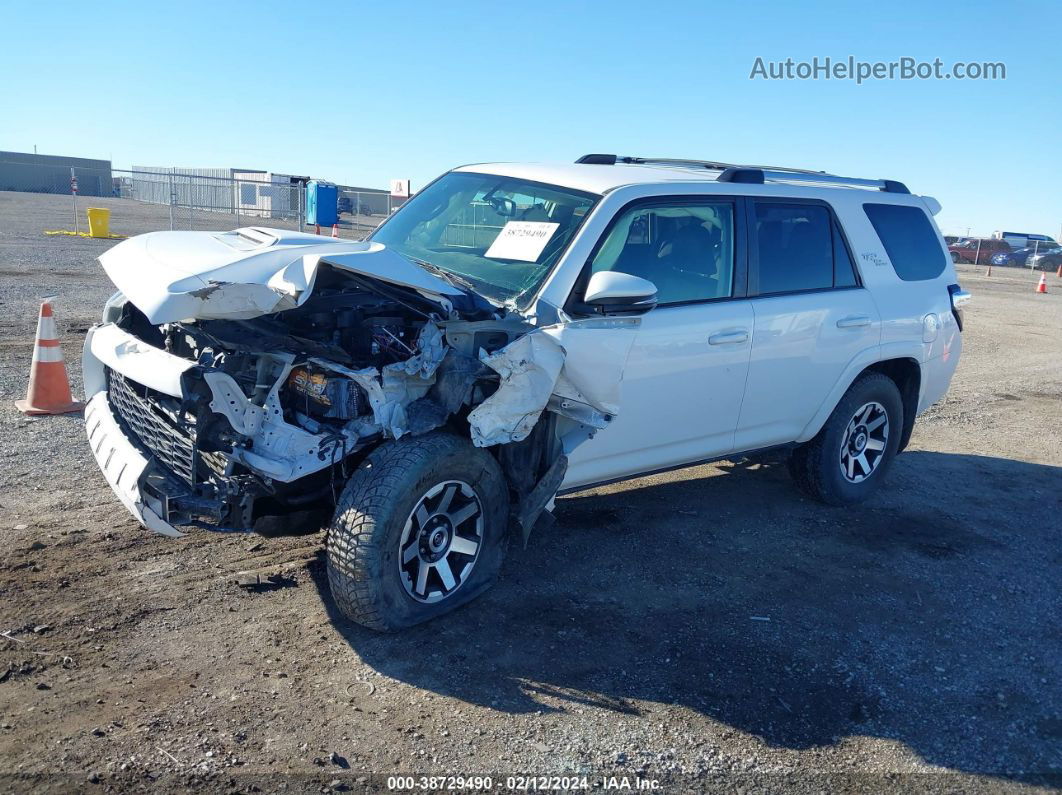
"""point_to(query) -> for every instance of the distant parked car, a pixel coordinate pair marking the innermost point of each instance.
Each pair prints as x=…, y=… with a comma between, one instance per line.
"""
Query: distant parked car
x=1046, y=261
x=345, y=205
x=1018, y=257
x=949, y=239
x=977, y=250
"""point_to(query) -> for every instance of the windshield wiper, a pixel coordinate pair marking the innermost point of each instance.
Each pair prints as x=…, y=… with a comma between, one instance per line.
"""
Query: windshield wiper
x=452, y=278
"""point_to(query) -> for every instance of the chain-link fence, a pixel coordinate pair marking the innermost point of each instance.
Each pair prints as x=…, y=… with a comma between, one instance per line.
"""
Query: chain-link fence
x=195, y=200
x=1015, y=251
x=150, y=198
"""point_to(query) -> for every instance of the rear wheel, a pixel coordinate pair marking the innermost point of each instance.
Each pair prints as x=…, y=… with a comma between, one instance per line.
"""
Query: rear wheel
x=419, y=530
x=955, y=257
x=847, y=460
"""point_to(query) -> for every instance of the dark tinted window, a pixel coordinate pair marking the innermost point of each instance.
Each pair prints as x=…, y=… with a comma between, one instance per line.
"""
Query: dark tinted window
x=909, y=240
x=795, y=244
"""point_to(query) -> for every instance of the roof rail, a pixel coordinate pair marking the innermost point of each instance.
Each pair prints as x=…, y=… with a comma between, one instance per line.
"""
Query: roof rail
x=751, y=174
x=611, y=160
x=758, y=176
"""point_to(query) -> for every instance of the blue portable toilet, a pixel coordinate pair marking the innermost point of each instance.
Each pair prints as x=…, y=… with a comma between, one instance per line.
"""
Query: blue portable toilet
x=322, y=203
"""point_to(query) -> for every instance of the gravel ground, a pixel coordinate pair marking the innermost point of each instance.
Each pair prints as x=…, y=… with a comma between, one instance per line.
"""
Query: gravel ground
x=705, y=629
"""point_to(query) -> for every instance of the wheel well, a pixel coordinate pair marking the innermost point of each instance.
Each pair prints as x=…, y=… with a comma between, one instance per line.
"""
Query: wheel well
x=907, y=375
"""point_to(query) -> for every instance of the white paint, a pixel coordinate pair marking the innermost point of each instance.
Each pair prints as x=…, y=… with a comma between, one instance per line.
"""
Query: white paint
x=614, y=284
x=173, y=276
x=145, y=364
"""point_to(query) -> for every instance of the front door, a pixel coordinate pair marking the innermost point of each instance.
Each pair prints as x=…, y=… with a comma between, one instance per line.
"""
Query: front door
x=682, y=386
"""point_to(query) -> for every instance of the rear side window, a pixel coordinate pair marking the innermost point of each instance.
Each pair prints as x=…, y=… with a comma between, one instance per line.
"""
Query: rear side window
x=799, y=248
x=909, y=240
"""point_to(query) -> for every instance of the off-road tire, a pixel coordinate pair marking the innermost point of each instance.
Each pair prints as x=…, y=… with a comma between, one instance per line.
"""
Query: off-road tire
x=365, y=532
x=815, y=465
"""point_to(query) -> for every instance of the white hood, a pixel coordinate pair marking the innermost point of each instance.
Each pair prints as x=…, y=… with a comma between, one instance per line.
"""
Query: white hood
x=248, y=272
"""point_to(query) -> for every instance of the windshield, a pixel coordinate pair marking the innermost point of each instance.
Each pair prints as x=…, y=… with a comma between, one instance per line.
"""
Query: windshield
x=500, y=235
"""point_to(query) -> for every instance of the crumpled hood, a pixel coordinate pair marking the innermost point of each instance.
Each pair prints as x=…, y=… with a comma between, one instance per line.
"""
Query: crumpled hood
x=248, y=272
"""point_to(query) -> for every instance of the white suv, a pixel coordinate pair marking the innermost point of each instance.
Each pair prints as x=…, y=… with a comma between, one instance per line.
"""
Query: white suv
x=513, y=332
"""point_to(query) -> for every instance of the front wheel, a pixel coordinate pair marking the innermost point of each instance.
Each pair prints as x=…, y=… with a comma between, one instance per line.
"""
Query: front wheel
x=847, y=460
x=420, y=529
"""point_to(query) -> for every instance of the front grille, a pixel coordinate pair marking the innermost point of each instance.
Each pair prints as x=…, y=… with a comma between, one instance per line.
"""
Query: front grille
x=173, y=447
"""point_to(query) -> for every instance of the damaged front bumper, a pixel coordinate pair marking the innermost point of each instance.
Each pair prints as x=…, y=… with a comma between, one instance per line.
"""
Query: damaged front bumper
x=159, y=473
x=125, y=467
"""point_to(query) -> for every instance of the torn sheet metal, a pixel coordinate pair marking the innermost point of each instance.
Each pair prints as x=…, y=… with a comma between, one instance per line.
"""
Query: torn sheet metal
x=569, y=363
x=529, y=367
x=595, y=361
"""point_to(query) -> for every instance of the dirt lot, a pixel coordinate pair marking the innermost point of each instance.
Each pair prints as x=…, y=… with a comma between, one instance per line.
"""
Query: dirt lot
x=707, y=629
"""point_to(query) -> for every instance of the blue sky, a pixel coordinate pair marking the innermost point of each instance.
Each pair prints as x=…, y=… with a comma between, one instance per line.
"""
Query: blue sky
x=363, y=92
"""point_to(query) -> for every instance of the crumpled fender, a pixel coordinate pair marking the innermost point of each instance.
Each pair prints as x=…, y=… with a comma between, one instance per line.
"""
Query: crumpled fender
x=570, y=363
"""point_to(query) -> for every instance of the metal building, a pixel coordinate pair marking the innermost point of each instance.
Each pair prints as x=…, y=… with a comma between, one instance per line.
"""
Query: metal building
x=32, y=173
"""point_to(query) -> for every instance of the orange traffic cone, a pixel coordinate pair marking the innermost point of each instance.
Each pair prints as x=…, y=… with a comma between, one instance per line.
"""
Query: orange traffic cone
x=335, y=230
x=1042, y=286
x=49, y=387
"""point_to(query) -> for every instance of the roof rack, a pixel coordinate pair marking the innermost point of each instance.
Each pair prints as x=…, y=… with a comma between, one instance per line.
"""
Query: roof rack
x=754, y=175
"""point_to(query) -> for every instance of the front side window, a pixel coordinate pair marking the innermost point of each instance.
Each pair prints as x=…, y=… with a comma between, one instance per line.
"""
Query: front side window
x=501, y=235
x=686, y=250
x=909, y=240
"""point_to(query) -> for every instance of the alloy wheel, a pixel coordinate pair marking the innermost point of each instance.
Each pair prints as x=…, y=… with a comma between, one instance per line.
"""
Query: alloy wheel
x=864, y=442
x=441, y=541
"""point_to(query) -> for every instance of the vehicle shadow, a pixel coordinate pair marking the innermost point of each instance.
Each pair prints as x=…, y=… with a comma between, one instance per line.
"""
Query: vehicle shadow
x=927, y=616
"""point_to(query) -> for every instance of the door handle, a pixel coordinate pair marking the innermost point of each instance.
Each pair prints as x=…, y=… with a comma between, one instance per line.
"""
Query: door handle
x=854, y=321
x=729, y=337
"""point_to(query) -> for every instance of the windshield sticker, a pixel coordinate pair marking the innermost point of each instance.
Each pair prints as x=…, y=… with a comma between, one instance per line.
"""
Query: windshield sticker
x=522, y=240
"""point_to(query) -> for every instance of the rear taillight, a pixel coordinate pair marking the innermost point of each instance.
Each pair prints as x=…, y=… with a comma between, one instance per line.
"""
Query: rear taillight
x=959, y=299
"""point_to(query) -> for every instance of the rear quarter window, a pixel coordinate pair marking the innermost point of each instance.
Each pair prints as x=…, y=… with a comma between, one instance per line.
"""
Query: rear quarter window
x=909, y=240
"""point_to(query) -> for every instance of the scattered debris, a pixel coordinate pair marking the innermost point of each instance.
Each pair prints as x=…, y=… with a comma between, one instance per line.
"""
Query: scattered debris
x=274, y=582
x=22, y=527
x=338, y=761
x=370, y=685
x=43, y=686
x=7, y=634
x=41, y=629
x=759, y=618
x=255, y=547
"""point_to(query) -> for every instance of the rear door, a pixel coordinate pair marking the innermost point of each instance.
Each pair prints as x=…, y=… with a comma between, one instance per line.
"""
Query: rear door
x=811, y=318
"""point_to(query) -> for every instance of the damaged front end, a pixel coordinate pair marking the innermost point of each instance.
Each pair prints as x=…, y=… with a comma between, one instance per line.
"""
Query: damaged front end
x=240, y=405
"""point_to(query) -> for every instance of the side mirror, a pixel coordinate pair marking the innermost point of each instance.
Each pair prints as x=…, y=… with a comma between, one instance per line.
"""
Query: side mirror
x=615, y=293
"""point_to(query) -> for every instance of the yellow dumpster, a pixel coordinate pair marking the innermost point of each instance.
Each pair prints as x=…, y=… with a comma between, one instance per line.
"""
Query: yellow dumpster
x=99, y=221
